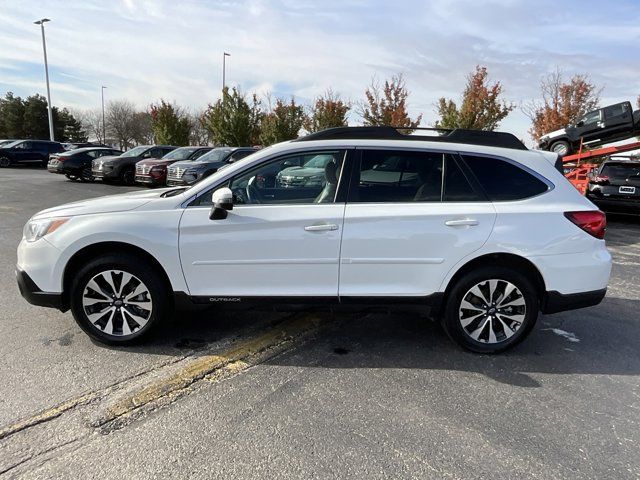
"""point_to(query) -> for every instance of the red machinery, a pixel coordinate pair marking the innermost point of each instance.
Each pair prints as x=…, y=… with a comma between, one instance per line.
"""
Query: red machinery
x=579, y=175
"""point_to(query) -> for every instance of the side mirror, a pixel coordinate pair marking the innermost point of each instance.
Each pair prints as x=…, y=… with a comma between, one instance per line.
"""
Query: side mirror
x=222, y=200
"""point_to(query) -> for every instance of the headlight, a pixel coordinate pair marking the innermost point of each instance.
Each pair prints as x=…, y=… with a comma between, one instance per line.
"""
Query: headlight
x=36, y=229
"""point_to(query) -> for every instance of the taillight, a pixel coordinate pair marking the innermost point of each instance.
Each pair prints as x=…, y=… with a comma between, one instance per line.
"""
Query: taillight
x=601, y=179
x=594, y=222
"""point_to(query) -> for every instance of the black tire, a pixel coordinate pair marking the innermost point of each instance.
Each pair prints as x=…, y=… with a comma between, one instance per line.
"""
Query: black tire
x=561, y=147
x=5, y=162
x=128, y=176
x=155, y=290
x=452, y=318
x=86, y=175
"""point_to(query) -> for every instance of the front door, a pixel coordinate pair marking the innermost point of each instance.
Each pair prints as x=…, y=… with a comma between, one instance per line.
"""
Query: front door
x=282, y=238
x=410, y=217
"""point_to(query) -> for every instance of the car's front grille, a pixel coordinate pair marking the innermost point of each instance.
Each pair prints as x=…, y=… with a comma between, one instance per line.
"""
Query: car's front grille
x=175, y=173
x=142, y=169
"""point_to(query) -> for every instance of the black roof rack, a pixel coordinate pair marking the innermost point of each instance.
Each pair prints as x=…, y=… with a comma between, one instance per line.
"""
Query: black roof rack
x=458, y=135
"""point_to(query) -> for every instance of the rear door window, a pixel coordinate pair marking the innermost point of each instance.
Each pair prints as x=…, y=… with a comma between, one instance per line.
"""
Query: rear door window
x=392, y=176
x=502, y=180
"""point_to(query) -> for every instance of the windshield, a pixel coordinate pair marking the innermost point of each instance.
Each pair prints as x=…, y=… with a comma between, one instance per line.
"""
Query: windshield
x=179, y=154
x=11, y=144
x=134, y=152
x=216, y=155
x=621, y=171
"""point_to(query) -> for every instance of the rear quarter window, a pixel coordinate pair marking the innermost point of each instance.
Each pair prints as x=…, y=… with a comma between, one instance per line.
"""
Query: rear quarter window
x=502, y=180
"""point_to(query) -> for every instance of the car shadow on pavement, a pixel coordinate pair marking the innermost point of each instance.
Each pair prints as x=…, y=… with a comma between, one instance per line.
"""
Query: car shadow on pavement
x=601, y=340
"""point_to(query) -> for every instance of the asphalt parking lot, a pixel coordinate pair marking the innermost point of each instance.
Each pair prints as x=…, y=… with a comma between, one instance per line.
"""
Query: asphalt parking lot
x=220, y=394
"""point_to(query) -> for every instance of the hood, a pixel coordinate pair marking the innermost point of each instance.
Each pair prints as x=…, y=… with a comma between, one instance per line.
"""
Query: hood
x=110, y=203
x=554, y=134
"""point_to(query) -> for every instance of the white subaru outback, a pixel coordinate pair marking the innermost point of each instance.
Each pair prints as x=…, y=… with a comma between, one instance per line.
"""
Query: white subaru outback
x=471, y=225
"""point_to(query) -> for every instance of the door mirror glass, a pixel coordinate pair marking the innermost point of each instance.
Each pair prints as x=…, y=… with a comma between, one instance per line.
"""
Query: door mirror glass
x=222, y=200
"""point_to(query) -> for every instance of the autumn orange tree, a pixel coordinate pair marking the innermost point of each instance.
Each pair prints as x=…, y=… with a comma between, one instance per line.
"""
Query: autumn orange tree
x=387, y=105
x=481, y=107
x=283, y=122
x=327, y=111
x=562, y=104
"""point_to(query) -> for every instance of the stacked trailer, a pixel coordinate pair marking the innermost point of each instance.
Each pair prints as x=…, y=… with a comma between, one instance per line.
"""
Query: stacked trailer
x=579, y=176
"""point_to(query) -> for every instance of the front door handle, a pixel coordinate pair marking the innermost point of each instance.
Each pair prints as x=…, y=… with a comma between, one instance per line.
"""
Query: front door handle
x=321, y=228
x=465, y=222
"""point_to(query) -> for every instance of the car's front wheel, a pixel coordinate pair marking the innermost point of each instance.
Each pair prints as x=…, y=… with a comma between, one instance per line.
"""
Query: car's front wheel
x=491, y=309
x=5, y=162
x=128, y=176
x=118, y=299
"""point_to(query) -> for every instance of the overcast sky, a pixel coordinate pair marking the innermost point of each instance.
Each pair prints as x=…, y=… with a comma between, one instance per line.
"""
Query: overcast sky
x=144, y=50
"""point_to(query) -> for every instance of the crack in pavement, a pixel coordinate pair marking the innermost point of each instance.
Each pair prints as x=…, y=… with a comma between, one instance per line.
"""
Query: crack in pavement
x=41, y=436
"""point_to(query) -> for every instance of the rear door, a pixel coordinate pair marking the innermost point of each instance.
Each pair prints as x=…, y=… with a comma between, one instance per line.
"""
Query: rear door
x=618, y=119
x=410, y=217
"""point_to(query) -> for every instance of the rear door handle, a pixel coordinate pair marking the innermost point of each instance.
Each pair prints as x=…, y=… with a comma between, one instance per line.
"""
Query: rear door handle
x=469, y=222
x=321, y=228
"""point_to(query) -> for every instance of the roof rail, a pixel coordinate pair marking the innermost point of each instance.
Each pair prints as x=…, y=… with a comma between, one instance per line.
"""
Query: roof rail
x=458, y=135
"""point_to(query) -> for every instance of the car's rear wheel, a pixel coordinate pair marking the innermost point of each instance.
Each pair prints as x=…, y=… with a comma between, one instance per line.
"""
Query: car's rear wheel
x=118, y=299
x=561, y=147
x=5, y=162
x=491, y=309
x=128, y=176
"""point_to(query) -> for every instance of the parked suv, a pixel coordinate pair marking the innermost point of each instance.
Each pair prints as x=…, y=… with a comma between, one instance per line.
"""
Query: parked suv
x=153, y=172
x=76, y=164
x=28, y=151
x=604, y=125
x=190, y=172
x=615, y=186
x=484, y=233
x=122, y=168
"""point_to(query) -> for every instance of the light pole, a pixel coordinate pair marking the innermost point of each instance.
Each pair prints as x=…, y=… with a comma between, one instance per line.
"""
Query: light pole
x=224, y=67
x=104, y=135
x=41, y=22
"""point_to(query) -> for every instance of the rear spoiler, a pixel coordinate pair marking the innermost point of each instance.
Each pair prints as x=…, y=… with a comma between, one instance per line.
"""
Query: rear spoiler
x=554, y=159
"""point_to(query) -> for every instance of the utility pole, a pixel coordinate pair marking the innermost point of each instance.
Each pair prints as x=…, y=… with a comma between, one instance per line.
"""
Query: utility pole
x=224, y=68
x=41, y=22
x=104, y=135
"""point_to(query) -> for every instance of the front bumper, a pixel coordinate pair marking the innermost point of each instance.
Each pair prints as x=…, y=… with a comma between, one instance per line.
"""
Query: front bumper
x=173, y=182
x=555, y=302
x=111, y=174
x=32, y=293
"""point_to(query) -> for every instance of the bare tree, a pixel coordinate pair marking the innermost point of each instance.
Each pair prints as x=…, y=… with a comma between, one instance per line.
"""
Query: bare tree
x=121, y=122
x=91, y=121
x=200, y=135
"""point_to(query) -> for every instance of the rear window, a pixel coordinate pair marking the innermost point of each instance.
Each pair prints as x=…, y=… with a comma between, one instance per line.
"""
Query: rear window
x=620, y=171
x=502, y=180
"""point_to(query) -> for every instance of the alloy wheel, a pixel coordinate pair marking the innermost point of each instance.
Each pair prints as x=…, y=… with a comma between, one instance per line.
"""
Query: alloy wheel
x=492, y=311
x=560, y=148
x=117, y=303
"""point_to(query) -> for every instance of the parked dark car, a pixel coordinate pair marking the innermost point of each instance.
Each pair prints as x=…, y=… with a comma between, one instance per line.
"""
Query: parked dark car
x=615, y=186
x=153, y=172
x=190, y=172
x=605, y=125
x=122, y=168
x=76, y=164
x=28, y=151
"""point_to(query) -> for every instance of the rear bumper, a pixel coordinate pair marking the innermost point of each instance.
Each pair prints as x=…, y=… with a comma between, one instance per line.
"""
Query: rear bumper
x=555, y=302
x=32, y=293
x=616, y=204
